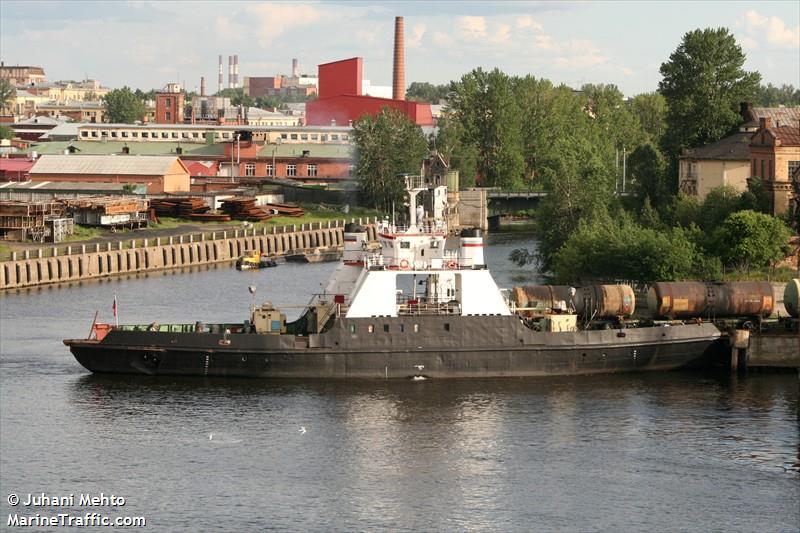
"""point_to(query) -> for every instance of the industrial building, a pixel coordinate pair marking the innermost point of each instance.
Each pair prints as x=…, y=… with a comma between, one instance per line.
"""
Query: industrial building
x=341, y=100
x=158, y=173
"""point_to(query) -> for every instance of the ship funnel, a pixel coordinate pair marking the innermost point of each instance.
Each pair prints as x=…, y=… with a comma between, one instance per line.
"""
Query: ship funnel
x=471, y=252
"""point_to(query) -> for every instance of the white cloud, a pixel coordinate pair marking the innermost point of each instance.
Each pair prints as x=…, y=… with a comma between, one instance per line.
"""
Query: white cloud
x=527, y=21
x=762, y=29
x=580, y=53
x=627, y=72
x=471, y=27
x=228, y=30
x=415, y=38
x=273, y=20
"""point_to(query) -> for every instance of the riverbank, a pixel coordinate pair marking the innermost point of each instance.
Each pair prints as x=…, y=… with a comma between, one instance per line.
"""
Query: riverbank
x=42, y=266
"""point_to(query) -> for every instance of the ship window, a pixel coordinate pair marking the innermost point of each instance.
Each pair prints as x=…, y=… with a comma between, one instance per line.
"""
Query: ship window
x=405, y=244
x=416, y=328
x=386, y=328
x=371, y=328
x=434, y=244
x=352, y=328
x=447, y=327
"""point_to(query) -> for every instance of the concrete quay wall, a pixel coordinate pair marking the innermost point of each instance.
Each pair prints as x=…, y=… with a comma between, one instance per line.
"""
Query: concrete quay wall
x=126, y=257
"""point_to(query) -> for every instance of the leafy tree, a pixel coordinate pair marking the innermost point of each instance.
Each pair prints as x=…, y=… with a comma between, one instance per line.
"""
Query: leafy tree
x=684, y=211
x=651, y=110
x=648, y=172
x=460, y=155
x=427, y=92
x=483, y=102
x=7, y=95
x=580, y=189
x=747, y=239
x=123, y=106
x=756, y=197
x=718, y=205
x=6, y=132
x=703, y=84
x=386, y=145
x=770, y=96
x=618, y=248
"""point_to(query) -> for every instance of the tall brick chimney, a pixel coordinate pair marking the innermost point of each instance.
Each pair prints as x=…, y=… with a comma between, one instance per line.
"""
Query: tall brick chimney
x=202, y=85
x=399, y=70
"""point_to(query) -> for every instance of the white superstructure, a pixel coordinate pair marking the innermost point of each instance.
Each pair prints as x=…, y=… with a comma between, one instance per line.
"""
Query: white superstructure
x=418, y=268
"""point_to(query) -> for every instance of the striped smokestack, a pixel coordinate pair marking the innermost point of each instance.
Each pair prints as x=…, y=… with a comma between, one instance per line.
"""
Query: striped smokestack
x=230, y=72
x=295, y=69
x=235, y=71
x=399, y=70
x=220, y=81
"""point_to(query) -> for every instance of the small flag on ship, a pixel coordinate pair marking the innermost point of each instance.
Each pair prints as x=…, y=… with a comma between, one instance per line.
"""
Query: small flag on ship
x=114, y=309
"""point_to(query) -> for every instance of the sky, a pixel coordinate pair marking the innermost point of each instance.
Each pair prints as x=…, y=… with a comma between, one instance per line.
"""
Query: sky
x=147, y=44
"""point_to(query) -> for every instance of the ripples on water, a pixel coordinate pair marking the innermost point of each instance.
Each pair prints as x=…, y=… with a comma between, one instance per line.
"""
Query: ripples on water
x=667, y=451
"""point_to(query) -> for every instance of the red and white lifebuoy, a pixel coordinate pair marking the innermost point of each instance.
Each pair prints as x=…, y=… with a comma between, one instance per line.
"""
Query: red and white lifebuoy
x=404, y=264
x=451, y=264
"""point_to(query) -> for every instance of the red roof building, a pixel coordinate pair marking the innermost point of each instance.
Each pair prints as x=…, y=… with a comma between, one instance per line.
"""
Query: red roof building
x=341, y=102
x=15, y=169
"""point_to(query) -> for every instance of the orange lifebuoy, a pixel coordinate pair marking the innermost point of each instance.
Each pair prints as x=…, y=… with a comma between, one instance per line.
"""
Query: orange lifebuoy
x=451, y=265
x=404, y=264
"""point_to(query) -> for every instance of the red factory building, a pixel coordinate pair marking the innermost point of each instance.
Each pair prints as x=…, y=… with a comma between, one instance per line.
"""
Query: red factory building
x=340, y=100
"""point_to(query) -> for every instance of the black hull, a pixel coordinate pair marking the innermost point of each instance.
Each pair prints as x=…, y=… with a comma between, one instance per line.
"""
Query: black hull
x=343, y=354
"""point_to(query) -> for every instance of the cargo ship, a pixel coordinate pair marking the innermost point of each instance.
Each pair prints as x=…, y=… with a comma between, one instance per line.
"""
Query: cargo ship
x=418, y=303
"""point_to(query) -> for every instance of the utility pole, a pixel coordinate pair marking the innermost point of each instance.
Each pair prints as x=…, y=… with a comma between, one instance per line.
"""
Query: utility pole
x=624, y=168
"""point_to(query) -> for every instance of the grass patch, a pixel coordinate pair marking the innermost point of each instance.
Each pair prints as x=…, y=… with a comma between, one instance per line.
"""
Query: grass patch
x=83, y=233
x=782, y=274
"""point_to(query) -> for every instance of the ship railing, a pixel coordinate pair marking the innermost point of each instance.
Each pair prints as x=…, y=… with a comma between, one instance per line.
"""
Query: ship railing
x=433, y=227
x=197, y=327
x=409, y=305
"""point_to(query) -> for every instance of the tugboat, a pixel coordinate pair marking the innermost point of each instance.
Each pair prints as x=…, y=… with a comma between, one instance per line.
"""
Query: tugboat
x=254, y=260
x=418, y=303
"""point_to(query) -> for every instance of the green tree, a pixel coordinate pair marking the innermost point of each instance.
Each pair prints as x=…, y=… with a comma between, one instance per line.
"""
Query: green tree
x=7, y=95
x=483, y=102
x=648, y=172
x=617, y=248
x=460, y=155
x=718, y=205
x=651, y=110
x=703, y=84
x=123, y=106
x=387, y=145
x=427, y=92
x=772, y=96
x=6, y=132
x=747, y=239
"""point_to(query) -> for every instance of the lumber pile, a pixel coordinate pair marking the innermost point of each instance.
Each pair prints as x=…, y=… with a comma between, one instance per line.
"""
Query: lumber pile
x=178, y=207
x=108, y=205
x=244, y=209
x=287, y=210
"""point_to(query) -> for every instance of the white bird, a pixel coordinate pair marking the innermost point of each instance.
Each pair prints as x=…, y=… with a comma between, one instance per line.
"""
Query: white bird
x=210, y=436
x=302, y=430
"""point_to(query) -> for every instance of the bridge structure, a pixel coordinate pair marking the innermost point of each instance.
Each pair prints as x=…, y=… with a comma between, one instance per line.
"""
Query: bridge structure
x=502, y=204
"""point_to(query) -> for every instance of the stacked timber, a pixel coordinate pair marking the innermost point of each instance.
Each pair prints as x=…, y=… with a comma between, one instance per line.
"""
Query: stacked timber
x=287, y=210
x=244, y=209
x=108, y=205
x=178, y=207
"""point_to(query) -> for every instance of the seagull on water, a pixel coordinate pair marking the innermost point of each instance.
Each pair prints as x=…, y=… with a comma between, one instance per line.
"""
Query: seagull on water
x=302, y=430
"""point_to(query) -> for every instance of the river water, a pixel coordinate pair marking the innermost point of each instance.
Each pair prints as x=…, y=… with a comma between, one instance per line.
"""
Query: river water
x=654, y=452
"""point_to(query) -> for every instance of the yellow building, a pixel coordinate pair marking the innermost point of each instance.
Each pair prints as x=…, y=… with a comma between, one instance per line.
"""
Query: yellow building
x=775, y=157
x=725, y=162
